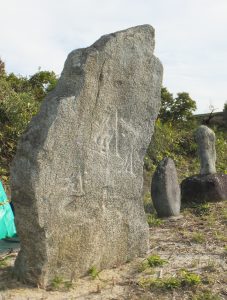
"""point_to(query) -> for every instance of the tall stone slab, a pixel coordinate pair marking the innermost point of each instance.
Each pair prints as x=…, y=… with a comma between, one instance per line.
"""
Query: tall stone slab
x=78, y=173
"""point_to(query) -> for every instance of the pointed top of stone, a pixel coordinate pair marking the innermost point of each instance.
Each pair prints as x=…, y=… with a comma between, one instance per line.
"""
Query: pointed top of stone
x=136, y=32
x=122, y=47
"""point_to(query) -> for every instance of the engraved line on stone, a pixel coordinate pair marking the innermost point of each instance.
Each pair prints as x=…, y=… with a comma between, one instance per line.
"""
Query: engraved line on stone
x=116, y=133
x=105, y=194
x=75, y=185
x=103, y=139
x=98, y=94
x=128, y=127
x=79, y=191
x=128, y=166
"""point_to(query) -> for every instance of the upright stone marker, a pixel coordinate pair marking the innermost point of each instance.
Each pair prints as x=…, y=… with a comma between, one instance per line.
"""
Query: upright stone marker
x=165, y=189
x=208, y=186
x=78, y=172
x=205, y=138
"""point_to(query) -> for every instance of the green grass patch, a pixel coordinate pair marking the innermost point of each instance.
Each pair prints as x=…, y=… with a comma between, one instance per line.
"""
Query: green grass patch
x=184, y=279
x=58, y=283
x=198, y=238
x=203, y=209
x=153, y=220
x=152, y=261
x=220, y=236
x=206, y=295
x=4, y=262
x=93, y=272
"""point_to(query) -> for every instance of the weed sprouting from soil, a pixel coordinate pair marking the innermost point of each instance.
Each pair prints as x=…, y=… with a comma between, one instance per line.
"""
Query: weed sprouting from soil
x=156, y=261
x=153, y=220
x=93, y=272
x=59, y=284
x=4, y=262
x=151, y=262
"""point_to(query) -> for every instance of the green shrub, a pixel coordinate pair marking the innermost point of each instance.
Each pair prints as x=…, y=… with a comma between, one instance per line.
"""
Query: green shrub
x=170, y=140
x=19, y=101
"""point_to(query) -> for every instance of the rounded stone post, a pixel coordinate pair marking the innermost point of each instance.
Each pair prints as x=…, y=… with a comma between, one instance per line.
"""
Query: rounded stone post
x=205, y=138
x=165, y=190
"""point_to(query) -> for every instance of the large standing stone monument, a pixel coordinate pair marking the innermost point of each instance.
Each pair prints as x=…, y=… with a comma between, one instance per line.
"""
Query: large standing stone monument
x=78, y=172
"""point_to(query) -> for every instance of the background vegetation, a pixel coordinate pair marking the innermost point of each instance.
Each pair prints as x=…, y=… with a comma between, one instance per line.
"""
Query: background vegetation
x=20, y=98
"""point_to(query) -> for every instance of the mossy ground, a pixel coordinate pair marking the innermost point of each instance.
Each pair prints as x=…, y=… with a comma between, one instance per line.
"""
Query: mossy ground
x=203, y=261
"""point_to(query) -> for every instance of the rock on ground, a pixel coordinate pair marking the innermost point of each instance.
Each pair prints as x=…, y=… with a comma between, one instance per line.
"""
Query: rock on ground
x=77, y=176
x=165, y=189
x=204, y=188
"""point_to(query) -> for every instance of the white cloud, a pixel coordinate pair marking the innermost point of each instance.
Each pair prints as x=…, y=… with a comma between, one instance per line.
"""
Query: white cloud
x=190, y=37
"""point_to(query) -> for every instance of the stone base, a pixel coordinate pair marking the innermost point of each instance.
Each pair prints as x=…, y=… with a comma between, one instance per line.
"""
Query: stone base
x=204, y=188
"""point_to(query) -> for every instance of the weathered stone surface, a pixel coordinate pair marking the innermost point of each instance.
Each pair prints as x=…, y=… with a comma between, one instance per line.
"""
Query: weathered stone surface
x=205, y=138
x=204, y=188
x=165, y=189
x=78, y=172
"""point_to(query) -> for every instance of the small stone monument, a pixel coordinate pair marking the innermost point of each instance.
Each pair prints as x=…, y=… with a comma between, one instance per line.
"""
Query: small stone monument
x=205, y=138
x=165, y=189
x=208, y=186
x=77, y=176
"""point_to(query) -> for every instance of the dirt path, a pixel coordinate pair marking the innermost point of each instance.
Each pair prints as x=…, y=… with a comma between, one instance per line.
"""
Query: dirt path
x=194, y=248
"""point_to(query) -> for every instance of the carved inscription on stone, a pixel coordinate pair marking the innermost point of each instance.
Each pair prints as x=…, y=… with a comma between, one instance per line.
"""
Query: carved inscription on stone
x=128, y=166
x=113, y=136
x=75, y=184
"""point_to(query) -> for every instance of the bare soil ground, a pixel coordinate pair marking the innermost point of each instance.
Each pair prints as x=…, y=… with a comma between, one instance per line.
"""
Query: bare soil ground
x=193, y=246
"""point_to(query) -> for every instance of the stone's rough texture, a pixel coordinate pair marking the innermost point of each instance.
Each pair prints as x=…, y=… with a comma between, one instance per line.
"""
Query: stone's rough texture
x=204, y=188
x=78, y=173
x=165, y=190
x=205, y=138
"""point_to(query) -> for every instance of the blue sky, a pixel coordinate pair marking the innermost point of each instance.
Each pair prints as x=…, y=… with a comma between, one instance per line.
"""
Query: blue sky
x=191, y=38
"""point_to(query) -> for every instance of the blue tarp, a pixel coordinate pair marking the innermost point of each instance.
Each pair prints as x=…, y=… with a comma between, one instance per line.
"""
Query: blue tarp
x=7, y=225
